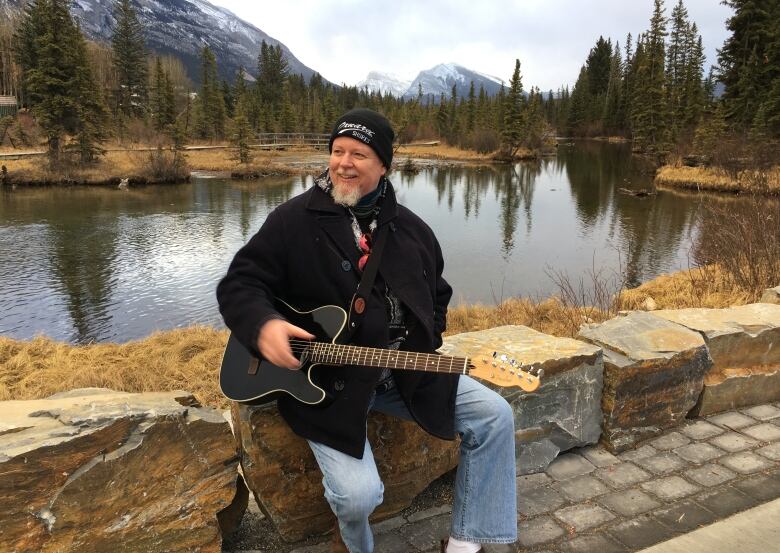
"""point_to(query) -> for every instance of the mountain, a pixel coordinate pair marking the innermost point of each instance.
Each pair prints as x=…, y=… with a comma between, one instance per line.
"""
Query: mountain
x=440, y=79
x=384, y=83
x=182, y=28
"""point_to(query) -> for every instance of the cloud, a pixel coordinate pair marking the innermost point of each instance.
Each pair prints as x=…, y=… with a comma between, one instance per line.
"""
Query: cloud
x=345, y=40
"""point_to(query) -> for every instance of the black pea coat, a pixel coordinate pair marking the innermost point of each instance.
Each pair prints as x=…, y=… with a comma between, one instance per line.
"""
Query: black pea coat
x=305, y=254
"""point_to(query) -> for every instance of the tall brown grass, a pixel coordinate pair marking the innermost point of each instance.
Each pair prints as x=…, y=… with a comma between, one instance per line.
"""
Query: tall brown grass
x=189, y=359
x=718, y=179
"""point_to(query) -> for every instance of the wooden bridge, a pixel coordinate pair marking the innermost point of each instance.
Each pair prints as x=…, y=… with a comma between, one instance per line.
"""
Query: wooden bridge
x=276, y=140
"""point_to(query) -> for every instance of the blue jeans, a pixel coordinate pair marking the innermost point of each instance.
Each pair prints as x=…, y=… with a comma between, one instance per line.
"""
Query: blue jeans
x=484, y=509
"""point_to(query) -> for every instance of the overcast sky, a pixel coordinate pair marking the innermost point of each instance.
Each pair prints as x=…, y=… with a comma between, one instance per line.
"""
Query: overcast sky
x=345, y=39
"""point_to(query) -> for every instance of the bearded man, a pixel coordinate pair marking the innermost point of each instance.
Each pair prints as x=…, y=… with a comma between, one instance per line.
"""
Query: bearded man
x=311, y=251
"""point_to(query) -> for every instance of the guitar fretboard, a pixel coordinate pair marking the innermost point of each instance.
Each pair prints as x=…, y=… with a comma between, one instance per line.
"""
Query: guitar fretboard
x=336, y=354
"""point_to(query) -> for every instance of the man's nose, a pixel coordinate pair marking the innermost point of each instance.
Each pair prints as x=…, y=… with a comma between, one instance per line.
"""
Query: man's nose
x=346, y=159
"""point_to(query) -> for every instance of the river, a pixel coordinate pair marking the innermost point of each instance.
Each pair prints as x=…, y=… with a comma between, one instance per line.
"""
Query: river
x=87, y=264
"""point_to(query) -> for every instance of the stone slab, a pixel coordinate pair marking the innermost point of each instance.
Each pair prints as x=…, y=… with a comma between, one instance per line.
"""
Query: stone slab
x=584, y=516
x=725, y=501
x=537, y=501
x=763, y=412
x=698, y=452
x=537, y=531
x=653, y=375
x=670, y=488
x=663, y=463
x=569, y=466
x=710, y=475
x=98, y=470
x=622, y=475
x=669, y=441
x=629, y=503
x=701, y=430
x=732, y=420
x=761, y=487
x=565, y=412
x=772, y=451
x=766, y=432
x=598, y=457
x=591, y=543
x=640, y=532
x=684, y=516
x=581, y=488
x=733, y=442
x=746, y=462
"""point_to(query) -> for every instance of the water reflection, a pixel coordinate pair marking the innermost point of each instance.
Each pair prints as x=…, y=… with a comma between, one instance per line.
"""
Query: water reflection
x=86, y=264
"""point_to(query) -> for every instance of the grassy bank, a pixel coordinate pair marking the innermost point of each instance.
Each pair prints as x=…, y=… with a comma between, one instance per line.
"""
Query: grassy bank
x=714, y=179
x=189, y=358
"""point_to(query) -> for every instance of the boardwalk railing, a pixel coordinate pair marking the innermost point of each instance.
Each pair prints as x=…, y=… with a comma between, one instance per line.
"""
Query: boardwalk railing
x=279, y=139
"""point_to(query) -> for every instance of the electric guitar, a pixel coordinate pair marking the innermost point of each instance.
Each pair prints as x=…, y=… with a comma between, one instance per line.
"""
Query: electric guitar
x=245, y=378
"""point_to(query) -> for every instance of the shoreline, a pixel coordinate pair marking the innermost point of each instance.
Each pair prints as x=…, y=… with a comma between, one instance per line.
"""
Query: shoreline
x=189, y=358
x=711, y=179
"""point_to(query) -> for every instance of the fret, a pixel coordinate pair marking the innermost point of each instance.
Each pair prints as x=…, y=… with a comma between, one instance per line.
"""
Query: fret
x=465, y=364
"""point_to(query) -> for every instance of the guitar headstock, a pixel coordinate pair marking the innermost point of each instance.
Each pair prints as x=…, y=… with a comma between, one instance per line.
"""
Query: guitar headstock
x=502, y=370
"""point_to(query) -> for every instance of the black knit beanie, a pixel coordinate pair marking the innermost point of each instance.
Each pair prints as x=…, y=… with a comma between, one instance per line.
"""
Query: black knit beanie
x=370, y=128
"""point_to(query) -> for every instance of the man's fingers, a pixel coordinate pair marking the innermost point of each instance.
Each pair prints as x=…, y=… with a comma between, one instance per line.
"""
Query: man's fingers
x=274, y=342
x=297, y=332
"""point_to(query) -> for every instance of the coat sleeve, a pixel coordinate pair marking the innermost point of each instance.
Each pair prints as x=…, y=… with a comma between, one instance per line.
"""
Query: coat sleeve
x=255, y=277
x=441, y=300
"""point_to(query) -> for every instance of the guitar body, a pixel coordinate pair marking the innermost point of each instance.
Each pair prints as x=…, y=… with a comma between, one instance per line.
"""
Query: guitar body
x=247, y=379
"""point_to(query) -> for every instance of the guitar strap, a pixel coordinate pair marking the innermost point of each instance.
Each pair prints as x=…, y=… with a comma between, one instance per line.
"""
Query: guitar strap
x=357, y=306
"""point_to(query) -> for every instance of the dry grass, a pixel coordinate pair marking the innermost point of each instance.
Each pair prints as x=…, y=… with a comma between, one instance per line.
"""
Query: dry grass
x=443, y=152
x=186, y=359
x=716, y=179
x=189, y=359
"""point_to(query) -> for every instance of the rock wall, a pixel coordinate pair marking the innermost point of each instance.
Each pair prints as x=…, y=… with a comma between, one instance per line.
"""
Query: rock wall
x=96, y=470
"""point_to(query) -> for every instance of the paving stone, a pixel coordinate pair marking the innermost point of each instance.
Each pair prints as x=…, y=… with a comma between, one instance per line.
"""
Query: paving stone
x=763, y=412
x=568, y=466
x=432, y=512
x=527, y=481
x=391, y=543
x=766, y=432
x=670, y=488
x=323, y=547
x=622, y=475
x=701, y=430
x=582, y=517
x=663, y=463
x=725, y=501
x=389, y=525
x=670, y=441
x=710, y=475
x=763, y=487
x=638, y=453
x=746, y=462
x=771, y=451
x=499, y=548
x=733, y=442
x=684, y=516
x=581, y=488
x=699, y=452
x=591, y=543
x=629, y=503
x=599, y=457
x=732, y=420
x=539, y=500
x=640, y=532
x=538, y=530
x=427, y=533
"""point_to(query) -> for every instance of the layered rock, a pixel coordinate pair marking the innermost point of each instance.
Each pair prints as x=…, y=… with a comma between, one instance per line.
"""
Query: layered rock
x=280, y=468
x=565, y=411
x=744, y=343
x=96, y=470
x=653, y=375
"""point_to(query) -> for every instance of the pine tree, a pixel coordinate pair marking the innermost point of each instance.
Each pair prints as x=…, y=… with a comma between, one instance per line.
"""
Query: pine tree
x=612, y=102
x=471, y=109
x=514, y=111
x=210, y=108
x=129, y=54
x=58, y=81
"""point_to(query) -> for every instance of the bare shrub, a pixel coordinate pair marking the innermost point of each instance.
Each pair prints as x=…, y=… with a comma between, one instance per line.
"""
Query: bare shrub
x=483, y=141
x=594, y=296
x=744, y=240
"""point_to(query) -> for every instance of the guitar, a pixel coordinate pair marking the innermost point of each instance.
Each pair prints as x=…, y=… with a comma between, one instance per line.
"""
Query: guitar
x=245, y=378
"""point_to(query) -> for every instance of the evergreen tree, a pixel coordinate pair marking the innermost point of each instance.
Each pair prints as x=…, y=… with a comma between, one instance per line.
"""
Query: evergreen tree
x=471, y=110
x=129, y=55
x=612, y=116
x=210, y=107
x=61, y=91
x=512, y=134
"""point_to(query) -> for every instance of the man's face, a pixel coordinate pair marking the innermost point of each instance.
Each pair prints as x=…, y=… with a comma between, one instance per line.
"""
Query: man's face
x=355, y=170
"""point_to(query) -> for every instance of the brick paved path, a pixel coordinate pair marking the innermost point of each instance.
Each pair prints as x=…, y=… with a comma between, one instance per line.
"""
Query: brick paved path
x=592, y=501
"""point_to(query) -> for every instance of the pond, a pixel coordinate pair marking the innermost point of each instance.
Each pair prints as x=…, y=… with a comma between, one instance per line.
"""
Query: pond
x=93, y=264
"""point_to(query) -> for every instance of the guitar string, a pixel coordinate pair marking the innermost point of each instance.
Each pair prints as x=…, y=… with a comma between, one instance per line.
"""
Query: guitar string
x=361, y=355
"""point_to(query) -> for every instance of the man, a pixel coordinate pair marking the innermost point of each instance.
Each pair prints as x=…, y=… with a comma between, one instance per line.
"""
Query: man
x=311, y=251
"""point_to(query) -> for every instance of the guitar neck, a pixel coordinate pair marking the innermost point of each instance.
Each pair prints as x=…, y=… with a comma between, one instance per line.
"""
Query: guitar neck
x=336, y=354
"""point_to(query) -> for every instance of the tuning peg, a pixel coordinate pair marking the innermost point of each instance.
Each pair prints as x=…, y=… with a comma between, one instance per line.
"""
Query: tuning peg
x=540, y=373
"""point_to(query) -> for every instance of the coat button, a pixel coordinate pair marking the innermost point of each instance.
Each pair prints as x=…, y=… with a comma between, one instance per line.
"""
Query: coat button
x=338, y=385
x=425, y=273
x=346, y=265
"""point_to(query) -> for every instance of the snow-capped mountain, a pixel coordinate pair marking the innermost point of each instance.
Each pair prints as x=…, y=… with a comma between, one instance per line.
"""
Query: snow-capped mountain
x=385, y=83
x=182, y=28
x=439, y=79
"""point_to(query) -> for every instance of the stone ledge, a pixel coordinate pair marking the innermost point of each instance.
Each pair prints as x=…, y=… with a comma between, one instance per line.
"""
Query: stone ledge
x=97, y=470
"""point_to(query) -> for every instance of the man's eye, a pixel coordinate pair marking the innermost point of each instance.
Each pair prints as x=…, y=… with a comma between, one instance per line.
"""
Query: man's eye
x=360, y=156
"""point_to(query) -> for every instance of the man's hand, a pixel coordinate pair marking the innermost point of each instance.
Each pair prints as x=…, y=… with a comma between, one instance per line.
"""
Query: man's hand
x=273, y=342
